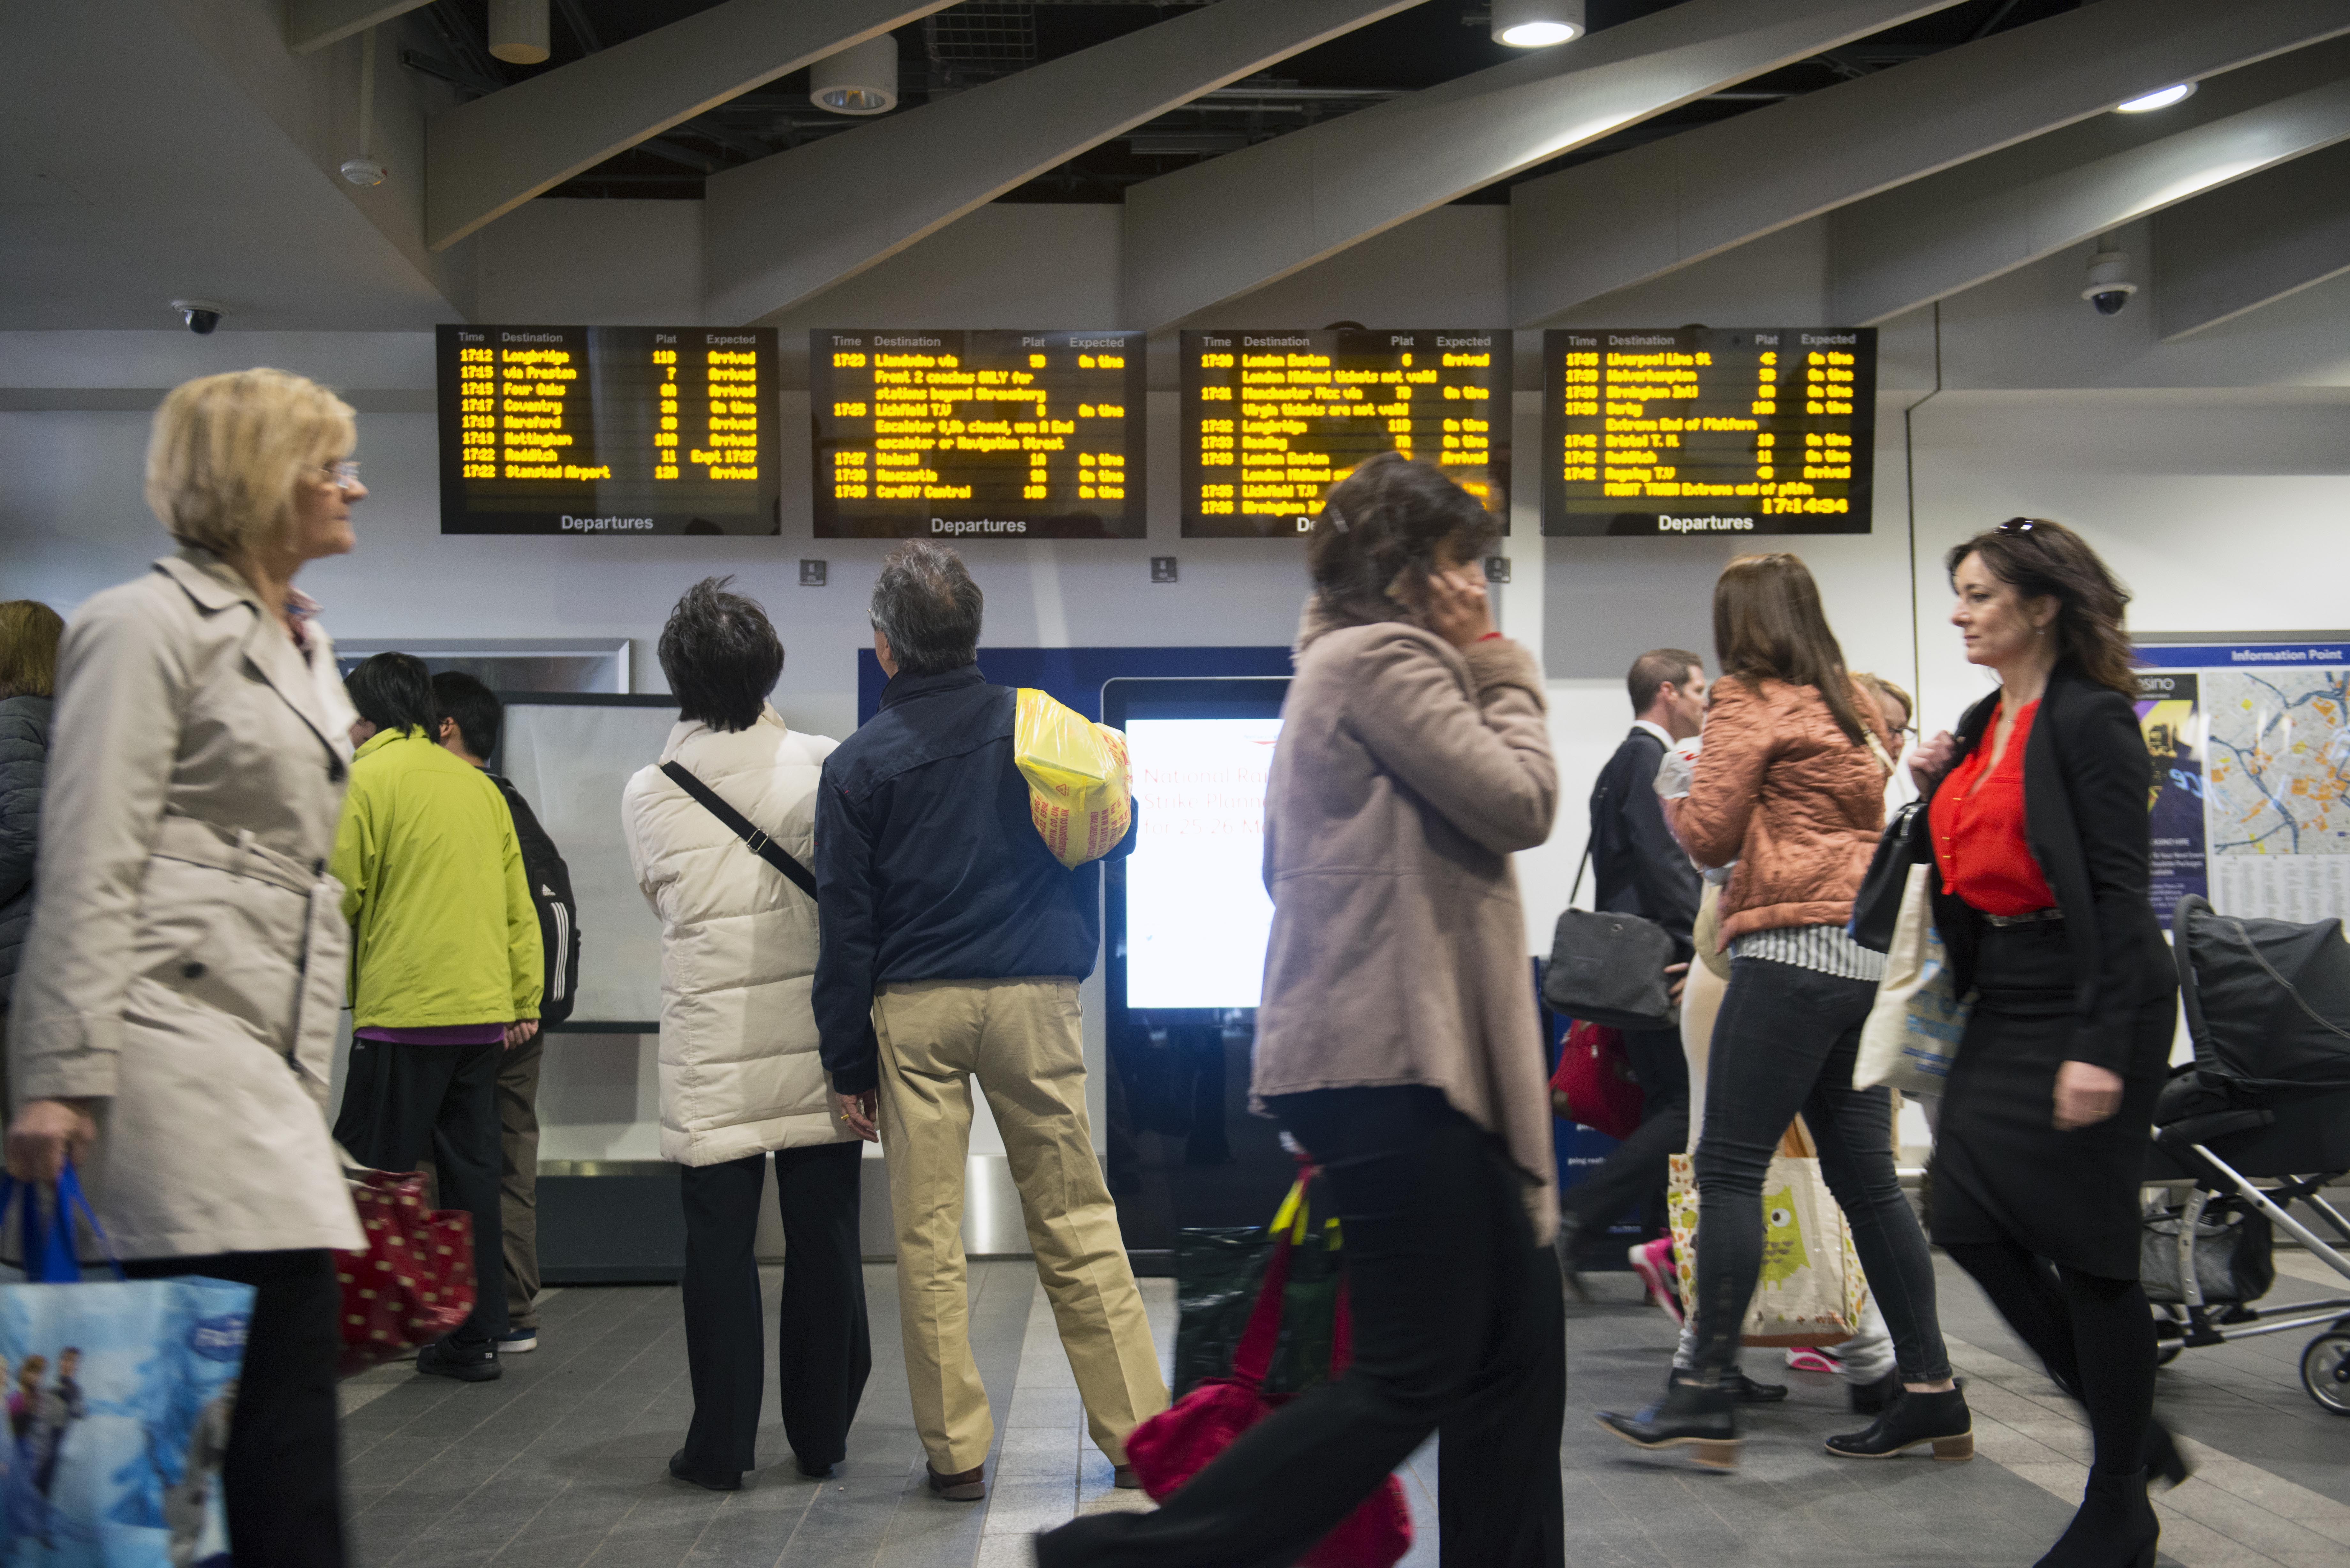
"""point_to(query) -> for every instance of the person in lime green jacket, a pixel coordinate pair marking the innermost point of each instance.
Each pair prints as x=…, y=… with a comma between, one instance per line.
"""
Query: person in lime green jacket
x=445, y=972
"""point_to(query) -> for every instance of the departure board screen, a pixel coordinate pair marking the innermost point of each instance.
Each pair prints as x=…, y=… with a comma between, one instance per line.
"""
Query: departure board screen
x=1700, y=429
x=1271, y=419
x=608, y=429
x=981, y=434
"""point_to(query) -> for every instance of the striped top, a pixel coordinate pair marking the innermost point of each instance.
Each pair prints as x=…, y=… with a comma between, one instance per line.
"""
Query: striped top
x=1825, y=948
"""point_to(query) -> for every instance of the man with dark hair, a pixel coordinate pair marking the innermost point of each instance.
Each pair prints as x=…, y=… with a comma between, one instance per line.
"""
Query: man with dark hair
x=471, y=719
x=1638, y=868
x=446, y=972
x=954, y=944
x=719, y=835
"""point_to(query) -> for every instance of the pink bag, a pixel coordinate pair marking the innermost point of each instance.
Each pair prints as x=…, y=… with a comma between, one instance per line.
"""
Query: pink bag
x=1175, y=1445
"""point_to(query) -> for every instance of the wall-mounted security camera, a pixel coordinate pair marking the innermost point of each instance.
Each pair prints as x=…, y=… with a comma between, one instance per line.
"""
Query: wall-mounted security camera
x=201, y=314
x=2109, y=280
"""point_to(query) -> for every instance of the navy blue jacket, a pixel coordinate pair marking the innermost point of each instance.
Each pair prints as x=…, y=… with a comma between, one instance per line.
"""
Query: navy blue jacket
x=928, y=865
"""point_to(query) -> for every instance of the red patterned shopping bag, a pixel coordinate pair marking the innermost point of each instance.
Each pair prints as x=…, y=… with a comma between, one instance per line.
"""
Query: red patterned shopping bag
x=414, y=1280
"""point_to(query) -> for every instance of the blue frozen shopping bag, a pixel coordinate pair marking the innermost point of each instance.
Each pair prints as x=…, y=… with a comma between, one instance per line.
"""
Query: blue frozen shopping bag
x=118, y=1395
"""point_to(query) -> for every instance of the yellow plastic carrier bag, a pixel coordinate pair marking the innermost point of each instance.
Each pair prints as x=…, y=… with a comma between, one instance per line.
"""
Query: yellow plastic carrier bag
x=1077, y=781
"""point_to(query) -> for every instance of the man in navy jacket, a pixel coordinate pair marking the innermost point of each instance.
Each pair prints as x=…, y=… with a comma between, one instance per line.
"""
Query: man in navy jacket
x=953, y=943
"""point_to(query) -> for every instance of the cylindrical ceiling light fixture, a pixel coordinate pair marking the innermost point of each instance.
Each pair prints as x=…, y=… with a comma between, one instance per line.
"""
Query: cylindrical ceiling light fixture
x=1536, y=23
x=860, y=79
x=518, y=31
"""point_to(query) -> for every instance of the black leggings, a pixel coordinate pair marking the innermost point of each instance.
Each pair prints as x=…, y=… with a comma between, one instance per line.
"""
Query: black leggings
x=2095, y=1336
x=1784, y=1041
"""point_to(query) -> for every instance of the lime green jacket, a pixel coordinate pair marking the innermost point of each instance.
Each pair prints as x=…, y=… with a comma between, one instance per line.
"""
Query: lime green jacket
x=442, y=928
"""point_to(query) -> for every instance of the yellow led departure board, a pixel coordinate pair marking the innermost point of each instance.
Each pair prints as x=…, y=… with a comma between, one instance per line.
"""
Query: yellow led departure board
x=1001, y=434
x=608, y=429
x=1271, y=419
x=1697, y=429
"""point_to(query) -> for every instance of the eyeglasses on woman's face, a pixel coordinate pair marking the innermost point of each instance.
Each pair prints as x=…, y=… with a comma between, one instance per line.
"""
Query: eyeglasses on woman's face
x=343, y=475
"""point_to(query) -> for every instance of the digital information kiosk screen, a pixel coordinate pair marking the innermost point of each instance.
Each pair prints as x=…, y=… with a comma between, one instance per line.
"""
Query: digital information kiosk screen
x=986, y=435
x=1271, y=419
x=608, y=429
x=1695, y=430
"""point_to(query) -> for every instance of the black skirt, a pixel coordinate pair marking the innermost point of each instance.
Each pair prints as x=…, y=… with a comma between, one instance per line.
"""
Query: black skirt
x=2001, y=1170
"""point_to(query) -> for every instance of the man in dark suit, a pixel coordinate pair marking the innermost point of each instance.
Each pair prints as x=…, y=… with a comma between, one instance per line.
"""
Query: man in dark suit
x=1639, y=869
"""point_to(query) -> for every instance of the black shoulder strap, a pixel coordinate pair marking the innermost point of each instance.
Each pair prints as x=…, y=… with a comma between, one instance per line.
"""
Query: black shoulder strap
x=764, y=848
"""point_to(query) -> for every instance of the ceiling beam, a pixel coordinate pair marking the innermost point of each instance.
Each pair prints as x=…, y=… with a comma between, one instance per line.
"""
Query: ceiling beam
x=484, y=158
x=1207, y=233
x=787, y=227
x=2251, y=244
x=312, y=24
x=1600, y=226
x=1934, y=237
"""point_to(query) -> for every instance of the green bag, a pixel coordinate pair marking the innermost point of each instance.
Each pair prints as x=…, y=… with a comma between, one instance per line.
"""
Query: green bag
x=1218, y=1271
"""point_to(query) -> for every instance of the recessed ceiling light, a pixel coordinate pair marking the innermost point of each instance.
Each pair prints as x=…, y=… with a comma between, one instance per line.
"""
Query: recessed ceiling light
x=2178, y=92
x=1537, y=24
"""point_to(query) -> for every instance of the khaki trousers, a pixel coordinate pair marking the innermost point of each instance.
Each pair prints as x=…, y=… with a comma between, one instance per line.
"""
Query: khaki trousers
x=1021, y=1039
x=518, y=1176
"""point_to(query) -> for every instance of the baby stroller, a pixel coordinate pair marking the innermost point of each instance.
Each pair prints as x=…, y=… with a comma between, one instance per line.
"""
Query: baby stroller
x=2260, y=1122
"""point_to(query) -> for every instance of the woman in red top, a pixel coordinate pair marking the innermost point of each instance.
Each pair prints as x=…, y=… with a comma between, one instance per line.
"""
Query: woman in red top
x=2039, y=821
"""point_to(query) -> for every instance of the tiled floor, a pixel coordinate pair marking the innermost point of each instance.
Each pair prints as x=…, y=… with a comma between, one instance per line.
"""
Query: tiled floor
x=561, y=1464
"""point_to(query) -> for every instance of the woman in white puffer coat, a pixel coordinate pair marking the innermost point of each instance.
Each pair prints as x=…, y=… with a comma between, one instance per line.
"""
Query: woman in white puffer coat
x=740, y=1078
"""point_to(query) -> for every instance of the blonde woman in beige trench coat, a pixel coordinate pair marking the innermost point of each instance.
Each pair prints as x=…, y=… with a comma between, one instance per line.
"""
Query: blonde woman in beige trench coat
x=175, y=1013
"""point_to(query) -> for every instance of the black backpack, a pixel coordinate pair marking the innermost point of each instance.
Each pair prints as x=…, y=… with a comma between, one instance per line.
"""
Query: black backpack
x=559, y=912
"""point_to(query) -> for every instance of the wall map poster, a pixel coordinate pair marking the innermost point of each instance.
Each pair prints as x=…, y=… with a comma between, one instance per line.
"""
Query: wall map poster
x=2250, y=800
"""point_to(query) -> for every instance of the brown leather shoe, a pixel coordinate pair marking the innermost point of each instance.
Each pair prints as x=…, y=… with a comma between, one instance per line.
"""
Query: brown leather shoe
x=1123, y=1478
x=969, y=1486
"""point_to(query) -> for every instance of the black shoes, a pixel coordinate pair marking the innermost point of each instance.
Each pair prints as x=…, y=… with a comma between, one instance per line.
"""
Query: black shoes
x=2115, y=1529
x=1692, y=1416
x=446, y=1358
x=964, y=1486
x=1871, y=1398
x=1744, y=1390
x=1910, y=1421
x=2163, y=1462
x=709, y=1481
x=813, y=1472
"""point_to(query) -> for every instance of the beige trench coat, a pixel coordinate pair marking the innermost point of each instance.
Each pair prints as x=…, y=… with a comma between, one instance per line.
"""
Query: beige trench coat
x=186, y=959
x=1407, y=773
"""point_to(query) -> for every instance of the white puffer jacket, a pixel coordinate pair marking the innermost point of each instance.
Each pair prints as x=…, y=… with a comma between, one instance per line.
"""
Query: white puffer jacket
x=739, y=1071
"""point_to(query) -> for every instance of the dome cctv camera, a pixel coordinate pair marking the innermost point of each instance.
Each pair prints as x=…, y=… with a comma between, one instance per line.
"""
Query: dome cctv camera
x=2109, y=280
x=201, y=314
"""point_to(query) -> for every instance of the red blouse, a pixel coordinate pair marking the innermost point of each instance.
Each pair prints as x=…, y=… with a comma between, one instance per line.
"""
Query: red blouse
x=1977, y=819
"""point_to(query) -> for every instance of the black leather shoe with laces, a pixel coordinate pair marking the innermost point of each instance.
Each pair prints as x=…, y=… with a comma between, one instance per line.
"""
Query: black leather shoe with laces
x=1692, y=1416
x=2116, y=1527
x=1910, y=1421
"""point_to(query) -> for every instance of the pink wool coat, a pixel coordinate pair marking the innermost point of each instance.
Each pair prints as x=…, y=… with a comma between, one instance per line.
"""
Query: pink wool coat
x=1407, y=772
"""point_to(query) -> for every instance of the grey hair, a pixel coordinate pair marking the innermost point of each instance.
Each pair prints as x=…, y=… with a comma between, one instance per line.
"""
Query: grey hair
x=925, y=603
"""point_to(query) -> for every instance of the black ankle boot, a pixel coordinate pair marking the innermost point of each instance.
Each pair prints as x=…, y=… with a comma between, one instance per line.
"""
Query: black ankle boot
x=2115, y=1529
x=2163, y=1462
x=1701, y=1417
x=1912, y=1418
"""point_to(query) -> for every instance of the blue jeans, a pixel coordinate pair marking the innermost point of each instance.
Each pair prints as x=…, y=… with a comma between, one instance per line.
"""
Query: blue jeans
x=1784, y=1043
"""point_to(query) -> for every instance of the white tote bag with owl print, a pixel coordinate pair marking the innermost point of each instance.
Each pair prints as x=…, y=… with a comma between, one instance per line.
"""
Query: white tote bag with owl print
x=1811, y=1292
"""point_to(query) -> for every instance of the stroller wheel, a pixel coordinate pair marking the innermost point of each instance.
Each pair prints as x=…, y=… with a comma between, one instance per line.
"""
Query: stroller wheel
x=2326, y=1370
x=2168, y=1353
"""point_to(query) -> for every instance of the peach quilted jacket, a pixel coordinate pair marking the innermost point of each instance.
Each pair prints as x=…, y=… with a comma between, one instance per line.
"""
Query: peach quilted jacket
x=1780, y=790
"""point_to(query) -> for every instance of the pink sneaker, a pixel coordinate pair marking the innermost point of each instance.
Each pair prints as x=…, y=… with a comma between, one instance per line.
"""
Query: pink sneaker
x=1653, y=1262
x=1806, y=1359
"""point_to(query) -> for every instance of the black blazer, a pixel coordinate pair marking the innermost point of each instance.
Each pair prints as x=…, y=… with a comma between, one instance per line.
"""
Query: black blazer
x=1637, y=866
x=2086, y=782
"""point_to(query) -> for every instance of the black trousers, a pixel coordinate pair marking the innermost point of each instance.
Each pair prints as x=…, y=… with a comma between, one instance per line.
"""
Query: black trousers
x=1784, y=1041
x=281, y=1481
x=401, y=1103
x=1458, y=1331
x=1633, y=1173
x=824, y=1348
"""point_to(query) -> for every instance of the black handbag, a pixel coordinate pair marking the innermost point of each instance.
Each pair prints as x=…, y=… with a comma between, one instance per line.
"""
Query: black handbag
x=1907, y=841
x=1608, y=968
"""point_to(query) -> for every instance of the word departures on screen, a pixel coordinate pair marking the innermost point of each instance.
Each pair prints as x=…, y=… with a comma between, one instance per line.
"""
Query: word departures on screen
x=1271, y=419
x=608, y=429
x=1702, y=430
x=977, y=434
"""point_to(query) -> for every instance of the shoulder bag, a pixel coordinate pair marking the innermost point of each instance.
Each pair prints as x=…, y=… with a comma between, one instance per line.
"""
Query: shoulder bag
x=764, y=848
x=1608, y=968
x=1907, y=841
